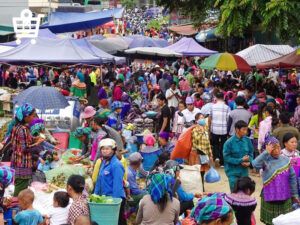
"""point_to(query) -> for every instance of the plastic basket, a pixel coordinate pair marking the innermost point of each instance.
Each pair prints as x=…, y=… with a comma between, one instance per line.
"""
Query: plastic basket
x=105, y=214
x=132, y=148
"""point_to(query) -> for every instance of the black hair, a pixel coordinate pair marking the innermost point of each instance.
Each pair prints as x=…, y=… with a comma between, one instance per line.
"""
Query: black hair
x=198, y=115
x=197, y=95
x=162, y=158
x=243, y=184
x=240, y=101
x=174, y=83
x=240, y=124
x=261, y=107
x=161, y=97
x=219, y=95
x=287, y=137
x=99, y=120
x=284, y=117
x=62, y=198
x=162, y=203
x=272, y=113
x=182, y=102
x=223, y=218
x=77, y=183
x=119, y=81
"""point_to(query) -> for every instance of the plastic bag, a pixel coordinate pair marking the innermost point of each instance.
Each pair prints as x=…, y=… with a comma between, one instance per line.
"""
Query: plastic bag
x=212, y=175
x=190, y=178
x=183, y=146
x=66, y=170
x=291, y=218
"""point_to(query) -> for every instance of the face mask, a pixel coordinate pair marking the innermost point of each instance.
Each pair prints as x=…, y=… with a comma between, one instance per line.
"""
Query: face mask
x=201, y=122
x=108, y=157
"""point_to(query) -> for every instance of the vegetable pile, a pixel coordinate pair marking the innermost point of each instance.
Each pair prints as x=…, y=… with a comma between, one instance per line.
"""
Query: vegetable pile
x=101, y=199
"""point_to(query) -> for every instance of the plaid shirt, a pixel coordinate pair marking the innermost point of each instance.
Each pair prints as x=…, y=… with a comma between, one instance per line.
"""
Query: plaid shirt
x=219, y=118
x=78, y=208
x=200, y=141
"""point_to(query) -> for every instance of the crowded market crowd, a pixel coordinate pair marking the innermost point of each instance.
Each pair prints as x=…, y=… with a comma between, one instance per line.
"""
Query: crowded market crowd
x=244, y=123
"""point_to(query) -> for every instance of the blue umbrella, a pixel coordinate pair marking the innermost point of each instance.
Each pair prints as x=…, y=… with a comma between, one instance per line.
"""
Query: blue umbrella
x=42, y=98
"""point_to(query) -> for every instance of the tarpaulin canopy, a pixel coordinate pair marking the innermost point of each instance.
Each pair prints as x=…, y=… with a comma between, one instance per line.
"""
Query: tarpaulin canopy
x=262, y=53
x=110, y=45
x=154, y=51
x=184, y=30
x=104, y=57
x=47, y=50
x=61, y=22
x=287, y=61
x=42, y=33
x=95, y=37
x=189, y=47
x=144, y=41
x=5, y=48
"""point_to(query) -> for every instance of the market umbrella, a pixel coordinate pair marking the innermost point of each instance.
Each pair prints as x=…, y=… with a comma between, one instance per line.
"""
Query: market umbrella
x=42, y=98
x=143, y=42
x=225, y=61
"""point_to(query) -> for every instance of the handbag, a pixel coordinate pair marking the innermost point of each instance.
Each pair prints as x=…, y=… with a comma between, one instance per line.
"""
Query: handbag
x=203, y=159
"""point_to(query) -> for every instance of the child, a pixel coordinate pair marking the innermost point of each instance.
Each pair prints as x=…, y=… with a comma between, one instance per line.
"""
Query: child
x=241, y=201
x=198, y=101
x=178, y=128
x=28, y=215
x=59, y=213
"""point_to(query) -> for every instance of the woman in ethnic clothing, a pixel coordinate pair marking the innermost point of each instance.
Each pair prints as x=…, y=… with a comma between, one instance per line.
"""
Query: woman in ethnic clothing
x=279, y=180
x=78, y=88
x=22, y=144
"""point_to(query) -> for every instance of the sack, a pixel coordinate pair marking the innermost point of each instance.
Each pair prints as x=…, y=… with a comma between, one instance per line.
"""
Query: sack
x=291, y=218
x=183, y=146
x=190, y=178
x=203, y=159
x=212, y=175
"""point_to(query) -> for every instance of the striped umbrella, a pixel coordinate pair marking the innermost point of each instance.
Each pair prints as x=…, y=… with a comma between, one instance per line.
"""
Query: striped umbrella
x=225, y=61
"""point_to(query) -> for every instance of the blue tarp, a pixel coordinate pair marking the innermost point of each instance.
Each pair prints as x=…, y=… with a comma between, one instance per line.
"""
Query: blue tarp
x=104, y=57
x=48, y=50
x=42, y=33
x=62, y=22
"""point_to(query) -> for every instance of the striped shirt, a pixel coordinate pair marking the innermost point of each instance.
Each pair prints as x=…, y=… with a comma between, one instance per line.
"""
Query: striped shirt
x=219, y=118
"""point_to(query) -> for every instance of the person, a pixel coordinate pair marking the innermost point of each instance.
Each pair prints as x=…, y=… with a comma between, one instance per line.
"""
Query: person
x=111, y=173
x=104, y=110
x=240, y=113
x=266, y=125
x=117, y=91
x=102, y=94
x=144, y=89
x=153, y=77
x=6, y=178
x=188, y=115
x=173, y=96
x=178, y=127
x=164, y=143
x=84, y=220
x=181, y=70
x=87, y=115
x=27, y=214
x=79, y=88
x=241, y=201
x=279, y=181
x=165, y=114
x=212, y=210
x=79, y=207
x=93, y=76
x=296, y=118
x=158, y=207
x=135, y=162
x=59, y=213
x=279, y=132
x=190, y=77
x=12, y=82
x=290, y=146
x=217, y=120
x=159, y=164
x=184, y=86
x=172, y=169
x=238, y=153
x=22, y=142
x=84, y=134
x=198, y=101
x=164, y=84
x=200, y=146
x=114, y=119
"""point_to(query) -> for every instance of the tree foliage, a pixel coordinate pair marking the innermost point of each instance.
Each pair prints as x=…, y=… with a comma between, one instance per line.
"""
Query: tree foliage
x=129, y=4
x=236, y=17
x=158, y=23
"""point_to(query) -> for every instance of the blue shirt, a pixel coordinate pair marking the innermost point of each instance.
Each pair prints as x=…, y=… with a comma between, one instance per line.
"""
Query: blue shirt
x=233, y=151
x=182, y=195
x=144, y=89
x=131, y=178
x=29, y=217
x=110, y=179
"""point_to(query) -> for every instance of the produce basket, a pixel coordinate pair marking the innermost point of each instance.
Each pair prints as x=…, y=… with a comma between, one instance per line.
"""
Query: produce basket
x=106, y=213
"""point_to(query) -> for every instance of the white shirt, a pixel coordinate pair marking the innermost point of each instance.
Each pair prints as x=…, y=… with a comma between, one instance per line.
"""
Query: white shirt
x=189, y=116
x=273, y=76
x=174, y=101
x=58, y=215
x=180, y=72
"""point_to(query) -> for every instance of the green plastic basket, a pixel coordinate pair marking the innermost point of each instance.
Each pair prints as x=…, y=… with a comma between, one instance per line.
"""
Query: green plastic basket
x=74, y=142
x=106, y=214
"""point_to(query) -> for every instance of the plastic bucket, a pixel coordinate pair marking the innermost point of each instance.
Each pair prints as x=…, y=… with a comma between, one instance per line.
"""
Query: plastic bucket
x=105, y=214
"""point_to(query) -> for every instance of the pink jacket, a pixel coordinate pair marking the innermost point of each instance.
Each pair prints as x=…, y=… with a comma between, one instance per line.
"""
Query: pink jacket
x=184, y=85
x=265, y=126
